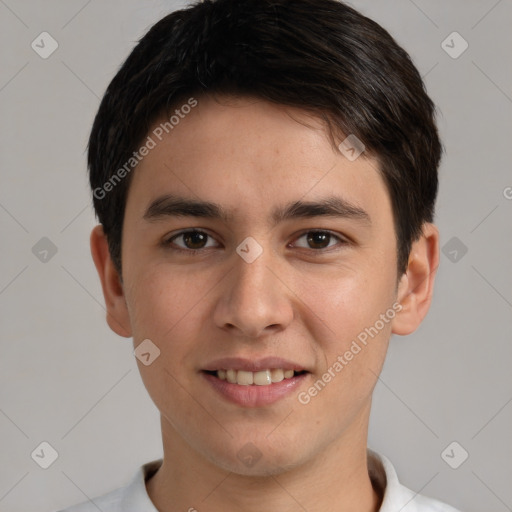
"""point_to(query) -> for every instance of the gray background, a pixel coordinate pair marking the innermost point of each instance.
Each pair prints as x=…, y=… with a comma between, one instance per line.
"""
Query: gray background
x=65, y=378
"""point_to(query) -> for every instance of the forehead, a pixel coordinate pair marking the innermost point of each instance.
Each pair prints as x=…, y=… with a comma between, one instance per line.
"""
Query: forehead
x=246, y=151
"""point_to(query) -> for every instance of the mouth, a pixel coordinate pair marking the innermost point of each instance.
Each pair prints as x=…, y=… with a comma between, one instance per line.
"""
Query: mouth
x=254, y=382
x=259, y=378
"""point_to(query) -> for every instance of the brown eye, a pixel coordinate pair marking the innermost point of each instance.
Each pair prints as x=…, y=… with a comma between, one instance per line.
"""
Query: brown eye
x=318, y=240
x=192, y=240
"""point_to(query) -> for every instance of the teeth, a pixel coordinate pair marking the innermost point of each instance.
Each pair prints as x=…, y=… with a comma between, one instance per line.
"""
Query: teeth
x=262, y=378
x=277, y=375
x=244, y=378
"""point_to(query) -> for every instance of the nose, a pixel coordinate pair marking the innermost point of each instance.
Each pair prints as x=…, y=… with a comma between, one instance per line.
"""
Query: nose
x=254, y=298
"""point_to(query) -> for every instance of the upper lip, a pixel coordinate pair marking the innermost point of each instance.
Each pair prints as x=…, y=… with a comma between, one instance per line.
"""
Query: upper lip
x=252, y=365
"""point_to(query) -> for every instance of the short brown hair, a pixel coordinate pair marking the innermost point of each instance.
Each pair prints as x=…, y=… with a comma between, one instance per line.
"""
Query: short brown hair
x=318, y=55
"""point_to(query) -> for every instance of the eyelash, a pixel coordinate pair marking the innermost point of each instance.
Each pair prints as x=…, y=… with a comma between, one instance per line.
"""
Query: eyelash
x=167, y=243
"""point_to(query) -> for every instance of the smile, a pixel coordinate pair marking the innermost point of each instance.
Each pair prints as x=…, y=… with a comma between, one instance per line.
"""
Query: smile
x=253, y=389
x=260, y=378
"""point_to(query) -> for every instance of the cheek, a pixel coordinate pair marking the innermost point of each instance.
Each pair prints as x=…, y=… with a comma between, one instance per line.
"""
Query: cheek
x=160, y=300
x=164, y=308
x=348, y=304
x=354, y=316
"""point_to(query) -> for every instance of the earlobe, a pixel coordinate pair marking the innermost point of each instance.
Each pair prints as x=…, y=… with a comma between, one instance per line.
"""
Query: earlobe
x=118, y=317
x=416, y=285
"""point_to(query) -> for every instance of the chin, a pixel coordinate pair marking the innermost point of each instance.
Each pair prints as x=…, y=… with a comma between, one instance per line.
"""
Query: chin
x=262, y=468
x=257, y=461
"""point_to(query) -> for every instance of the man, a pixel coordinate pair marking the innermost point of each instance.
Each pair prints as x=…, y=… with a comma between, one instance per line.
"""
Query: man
x=265, y=174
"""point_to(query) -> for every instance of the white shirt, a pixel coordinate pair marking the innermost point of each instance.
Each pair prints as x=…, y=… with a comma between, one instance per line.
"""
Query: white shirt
x=133, y=497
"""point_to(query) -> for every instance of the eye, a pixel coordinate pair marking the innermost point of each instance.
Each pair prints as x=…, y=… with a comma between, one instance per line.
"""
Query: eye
x=194, y=241
x=319, y=239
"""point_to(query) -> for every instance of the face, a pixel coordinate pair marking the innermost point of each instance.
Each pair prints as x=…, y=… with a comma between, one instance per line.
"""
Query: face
x=260, y=282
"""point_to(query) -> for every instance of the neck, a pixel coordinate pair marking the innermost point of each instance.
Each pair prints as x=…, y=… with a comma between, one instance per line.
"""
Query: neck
x=336, y=480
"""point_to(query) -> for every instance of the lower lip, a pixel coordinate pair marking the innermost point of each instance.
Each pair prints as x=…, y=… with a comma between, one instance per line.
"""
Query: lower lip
x=253, y=395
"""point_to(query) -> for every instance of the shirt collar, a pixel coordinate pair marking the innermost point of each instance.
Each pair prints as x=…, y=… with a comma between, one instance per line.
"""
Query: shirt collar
x=382, y=475
x=136, y=498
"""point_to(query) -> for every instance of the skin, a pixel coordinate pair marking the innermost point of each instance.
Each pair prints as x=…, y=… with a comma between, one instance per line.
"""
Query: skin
x=302, y=301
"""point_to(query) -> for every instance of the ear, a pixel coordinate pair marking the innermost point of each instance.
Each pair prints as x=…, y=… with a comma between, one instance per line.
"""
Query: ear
x=416, y=285
x=118, y=317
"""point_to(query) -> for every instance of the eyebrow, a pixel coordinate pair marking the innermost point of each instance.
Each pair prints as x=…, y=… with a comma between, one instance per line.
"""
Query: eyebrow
x=333, y=206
